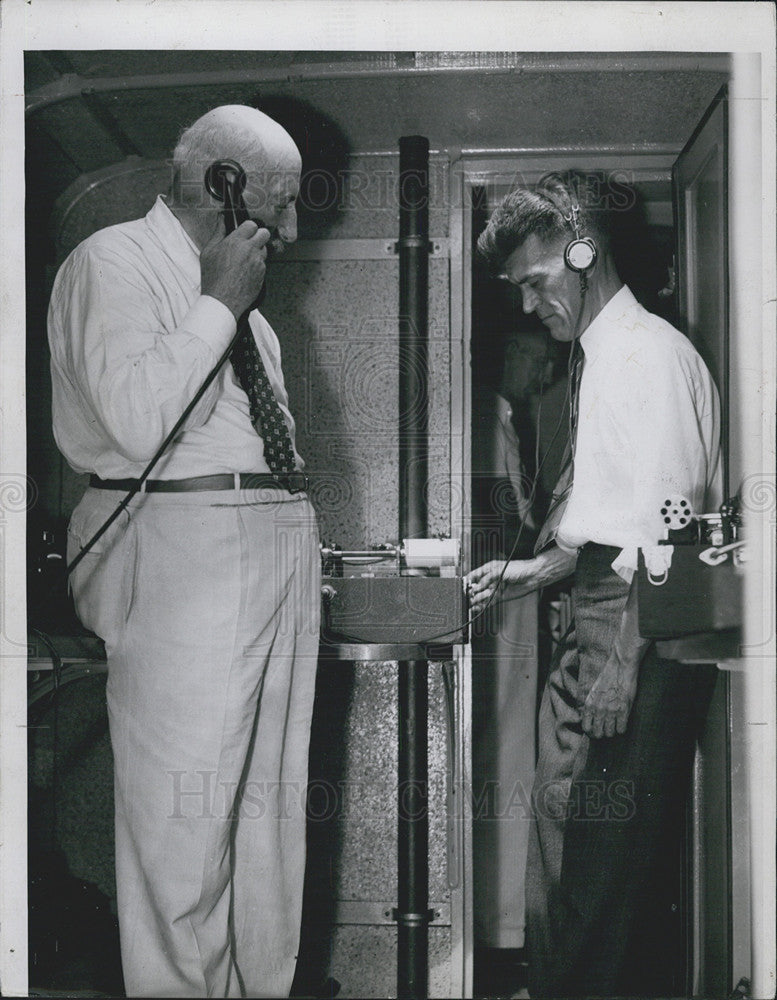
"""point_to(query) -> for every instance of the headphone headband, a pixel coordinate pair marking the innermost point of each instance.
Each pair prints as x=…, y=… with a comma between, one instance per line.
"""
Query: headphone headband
x=572, y=219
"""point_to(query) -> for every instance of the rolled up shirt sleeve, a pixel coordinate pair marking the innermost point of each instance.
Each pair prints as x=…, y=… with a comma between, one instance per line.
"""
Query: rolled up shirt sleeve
x=135, y=377
x=673, y=448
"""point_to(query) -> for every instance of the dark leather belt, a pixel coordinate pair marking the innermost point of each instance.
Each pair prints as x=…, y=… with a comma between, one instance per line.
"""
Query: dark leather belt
x=292, y=482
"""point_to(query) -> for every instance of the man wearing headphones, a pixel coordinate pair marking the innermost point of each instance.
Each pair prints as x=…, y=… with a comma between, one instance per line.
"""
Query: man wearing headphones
x=206, y=588
x=617, y=724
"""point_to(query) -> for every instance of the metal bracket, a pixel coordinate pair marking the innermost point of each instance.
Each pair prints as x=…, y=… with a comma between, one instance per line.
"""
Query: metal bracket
x=412, y=919
x=376, y=913
x=435, y=248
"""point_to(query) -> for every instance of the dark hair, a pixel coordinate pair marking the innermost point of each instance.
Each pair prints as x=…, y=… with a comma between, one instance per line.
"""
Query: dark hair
x=545, y=212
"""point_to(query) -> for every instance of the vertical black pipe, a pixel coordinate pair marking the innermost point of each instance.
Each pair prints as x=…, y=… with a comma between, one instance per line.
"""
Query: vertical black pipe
x=413, y=329
x=412, y=913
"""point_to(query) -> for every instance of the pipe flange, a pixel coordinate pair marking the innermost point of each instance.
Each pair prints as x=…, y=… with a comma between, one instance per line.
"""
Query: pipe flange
x=412, y=919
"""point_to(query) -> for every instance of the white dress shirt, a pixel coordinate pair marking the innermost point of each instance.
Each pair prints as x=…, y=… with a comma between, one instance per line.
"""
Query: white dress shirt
x=648, y=429
x=132, y=339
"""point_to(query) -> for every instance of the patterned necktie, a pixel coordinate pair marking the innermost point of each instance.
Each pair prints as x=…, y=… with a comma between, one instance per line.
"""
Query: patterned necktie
x=266, y=413
x=563, y=488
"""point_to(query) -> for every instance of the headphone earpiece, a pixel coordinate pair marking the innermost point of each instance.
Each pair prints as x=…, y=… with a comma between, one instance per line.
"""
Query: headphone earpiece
x=224, y=178
x=581, y=252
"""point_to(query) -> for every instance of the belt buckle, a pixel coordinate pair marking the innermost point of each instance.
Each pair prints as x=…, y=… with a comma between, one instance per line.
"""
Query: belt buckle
x=294, y=482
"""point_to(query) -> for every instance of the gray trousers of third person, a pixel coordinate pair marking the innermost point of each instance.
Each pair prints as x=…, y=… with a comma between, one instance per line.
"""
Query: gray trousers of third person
x=605, y=848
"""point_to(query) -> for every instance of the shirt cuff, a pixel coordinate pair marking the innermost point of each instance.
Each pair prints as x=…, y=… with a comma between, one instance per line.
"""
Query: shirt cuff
x=211, y=321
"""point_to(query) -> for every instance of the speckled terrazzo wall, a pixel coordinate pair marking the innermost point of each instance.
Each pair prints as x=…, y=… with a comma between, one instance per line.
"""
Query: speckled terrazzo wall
x=352, y=850
x=341, y=361
x=337, y=321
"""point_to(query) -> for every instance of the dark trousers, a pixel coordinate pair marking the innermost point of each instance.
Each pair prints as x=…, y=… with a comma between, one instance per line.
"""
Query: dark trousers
x=603, y=872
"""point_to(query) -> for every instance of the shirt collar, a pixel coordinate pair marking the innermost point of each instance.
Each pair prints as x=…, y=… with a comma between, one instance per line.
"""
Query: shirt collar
x=171, y=233
x=606, y=320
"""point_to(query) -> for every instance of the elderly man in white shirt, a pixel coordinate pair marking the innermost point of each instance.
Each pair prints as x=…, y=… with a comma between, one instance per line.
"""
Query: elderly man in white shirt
x=206, y=588
x=617, y=724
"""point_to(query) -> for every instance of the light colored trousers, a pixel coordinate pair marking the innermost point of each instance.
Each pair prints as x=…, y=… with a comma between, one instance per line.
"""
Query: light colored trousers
x=209, y=607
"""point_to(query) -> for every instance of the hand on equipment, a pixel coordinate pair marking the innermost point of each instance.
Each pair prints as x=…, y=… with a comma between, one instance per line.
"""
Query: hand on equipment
x=232, y=268
x=519, y=578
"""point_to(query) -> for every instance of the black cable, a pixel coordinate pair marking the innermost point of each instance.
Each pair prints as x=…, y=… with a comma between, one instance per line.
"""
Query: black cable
x=449, y=689
x=539, y=465
x=537, y=433
x=160, y=451
x=492, y=599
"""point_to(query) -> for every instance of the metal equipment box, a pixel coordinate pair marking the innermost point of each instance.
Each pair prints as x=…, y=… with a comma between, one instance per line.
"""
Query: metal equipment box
x=395, y=609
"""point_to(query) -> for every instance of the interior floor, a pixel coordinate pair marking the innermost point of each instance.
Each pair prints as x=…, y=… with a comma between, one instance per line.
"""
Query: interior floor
x=500, y=972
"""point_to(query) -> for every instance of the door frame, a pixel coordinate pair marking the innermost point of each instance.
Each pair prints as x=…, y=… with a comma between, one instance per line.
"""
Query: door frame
x=719, y=104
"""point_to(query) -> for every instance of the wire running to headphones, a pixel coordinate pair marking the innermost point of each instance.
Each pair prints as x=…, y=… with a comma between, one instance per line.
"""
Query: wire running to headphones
x=225, y=180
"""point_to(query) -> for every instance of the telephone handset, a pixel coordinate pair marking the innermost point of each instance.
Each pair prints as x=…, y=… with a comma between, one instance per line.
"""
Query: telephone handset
x=225, y=180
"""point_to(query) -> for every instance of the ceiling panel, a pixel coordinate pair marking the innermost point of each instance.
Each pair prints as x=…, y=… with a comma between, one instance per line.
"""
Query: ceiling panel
x=345, y=102
x=75, y=130
x=154, y=119
x=475, y=111
x=38, y=71
x=138, y=62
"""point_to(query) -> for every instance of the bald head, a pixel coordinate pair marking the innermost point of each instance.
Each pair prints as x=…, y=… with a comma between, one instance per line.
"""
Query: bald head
x=237, y=132
x=268, y=156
